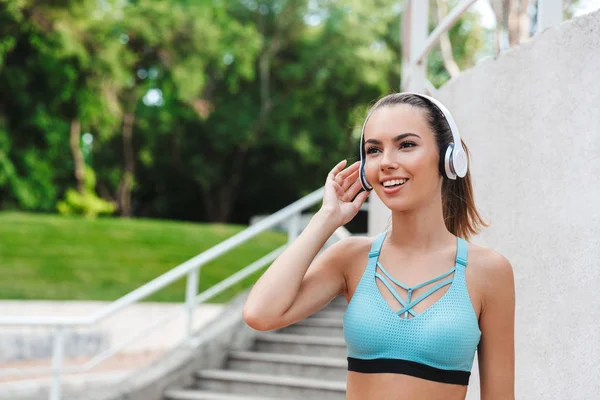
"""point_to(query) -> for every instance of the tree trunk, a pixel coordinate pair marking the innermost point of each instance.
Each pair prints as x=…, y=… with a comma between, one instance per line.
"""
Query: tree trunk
x=524, y=21
x=500, y=8
x=129, y=167
x=219, y=202
x=518, y=22
x=79, y=162
x=445, y=44
x=513, y=23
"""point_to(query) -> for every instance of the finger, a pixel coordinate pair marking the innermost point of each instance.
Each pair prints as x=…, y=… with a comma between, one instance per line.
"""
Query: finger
x=333, y=173
x=343, y=175
x=338, y=189
x=350, y=170
x=350, y=180
x=360, y=199
x=350, y=193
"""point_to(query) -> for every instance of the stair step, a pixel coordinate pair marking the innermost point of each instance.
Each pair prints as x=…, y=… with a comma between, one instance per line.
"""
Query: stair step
x=339, y=301
x=317, y=327
x=289, y=364
x=325, y=313
x=324, y=322
x=274, y=386
x=194, y=394
x=336, y=307
x=301, y=344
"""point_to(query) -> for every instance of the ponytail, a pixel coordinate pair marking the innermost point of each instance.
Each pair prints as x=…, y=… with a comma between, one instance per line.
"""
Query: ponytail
x=460, y=214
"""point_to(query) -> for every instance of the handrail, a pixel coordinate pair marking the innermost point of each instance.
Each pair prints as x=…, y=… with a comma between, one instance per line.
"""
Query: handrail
x=201, y=298
x=190, y=268
x=447, y=23
x=174, y=274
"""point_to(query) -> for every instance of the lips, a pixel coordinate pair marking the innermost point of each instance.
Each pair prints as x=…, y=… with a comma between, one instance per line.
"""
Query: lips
x=394, y=185
x=394, y=182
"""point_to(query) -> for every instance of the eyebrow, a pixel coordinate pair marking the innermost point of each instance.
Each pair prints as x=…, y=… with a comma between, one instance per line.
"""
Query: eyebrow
x=396, y=139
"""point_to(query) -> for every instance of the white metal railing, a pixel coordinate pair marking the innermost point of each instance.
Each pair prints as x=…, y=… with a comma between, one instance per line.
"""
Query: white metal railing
x=418, y=43
x=191, y=268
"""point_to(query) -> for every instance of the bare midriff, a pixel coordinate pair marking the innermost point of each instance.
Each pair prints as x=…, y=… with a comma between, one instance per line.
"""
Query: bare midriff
x=399, y=387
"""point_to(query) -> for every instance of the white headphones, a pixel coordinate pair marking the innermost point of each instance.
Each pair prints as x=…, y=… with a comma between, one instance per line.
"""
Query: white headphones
x=453, y=159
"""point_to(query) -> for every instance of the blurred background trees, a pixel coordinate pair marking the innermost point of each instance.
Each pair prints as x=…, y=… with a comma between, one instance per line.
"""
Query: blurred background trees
x=204, y=110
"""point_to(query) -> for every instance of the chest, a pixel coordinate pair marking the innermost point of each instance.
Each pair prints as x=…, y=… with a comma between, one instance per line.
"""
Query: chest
x=444, y=334
x=412, y=273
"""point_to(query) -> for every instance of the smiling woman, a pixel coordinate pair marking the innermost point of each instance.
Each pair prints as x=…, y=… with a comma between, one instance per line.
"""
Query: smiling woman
x=412, y=328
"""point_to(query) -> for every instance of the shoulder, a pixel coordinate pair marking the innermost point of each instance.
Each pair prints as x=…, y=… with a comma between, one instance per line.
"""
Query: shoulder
x=489, y=261
x=348, y=255
x=491, y=271
x=351, y=248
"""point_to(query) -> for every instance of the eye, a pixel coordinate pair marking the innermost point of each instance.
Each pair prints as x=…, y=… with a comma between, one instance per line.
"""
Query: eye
x=407, y=144
x=372, y=150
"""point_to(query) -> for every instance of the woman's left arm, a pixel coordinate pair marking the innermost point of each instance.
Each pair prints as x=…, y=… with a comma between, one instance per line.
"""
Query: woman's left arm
x=497, y=324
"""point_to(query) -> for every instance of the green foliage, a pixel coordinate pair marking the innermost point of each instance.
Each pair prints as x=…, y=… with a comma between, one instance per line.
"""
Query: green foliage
x=86, y=203
x=239, y=107
x=105, y=258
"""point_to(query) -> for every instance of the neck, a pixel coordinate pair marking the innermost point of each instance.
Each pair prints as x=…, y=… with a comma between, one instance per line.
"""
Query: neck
x=421, y=229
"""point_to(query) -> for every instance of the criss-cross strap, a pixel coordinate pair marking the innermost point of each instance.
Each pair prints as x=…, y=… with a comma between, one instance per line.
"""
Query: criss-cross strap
x=394, y=293
x=409, y=303
x=420, y=285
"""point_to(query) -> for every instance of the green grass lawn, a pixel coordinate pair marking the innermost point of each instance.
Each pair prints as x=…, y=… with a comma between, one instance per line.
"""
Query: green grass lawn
x=52, y=257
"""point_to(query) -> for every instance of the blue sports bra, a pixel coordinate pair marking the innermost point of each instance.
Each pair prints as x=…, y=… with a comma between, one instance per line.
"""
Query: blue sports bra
x=438, y=344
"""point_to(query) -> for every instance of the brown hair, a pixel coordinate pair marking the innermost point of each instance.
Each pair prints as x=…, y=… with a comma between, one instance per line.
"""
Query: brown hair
x=460, y=214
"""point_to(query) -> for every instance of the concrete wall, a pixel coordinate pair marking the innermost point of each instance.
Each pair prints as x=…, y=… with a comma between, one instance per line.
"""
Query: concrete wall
x=531, y=119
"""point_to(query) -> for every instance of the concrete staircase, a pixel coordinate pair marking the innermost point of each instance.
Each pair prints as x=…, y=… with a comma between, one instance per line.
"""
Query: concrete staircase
x=306, y=360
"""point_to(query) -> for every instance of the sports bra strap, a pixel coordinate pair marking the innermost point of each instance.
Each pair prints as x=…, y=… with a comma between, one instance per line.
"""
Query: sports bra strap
x=462, y=250
x=376, y=246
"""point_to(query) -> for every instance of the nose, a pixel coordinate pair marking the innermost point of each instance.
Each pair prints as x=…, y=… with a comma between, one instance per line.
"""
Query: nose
x=389, y=160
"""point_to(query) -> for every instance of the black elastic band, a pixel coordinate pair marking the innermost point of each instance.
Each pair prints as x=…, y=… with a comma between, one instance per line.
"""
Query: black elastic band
x=394, y=366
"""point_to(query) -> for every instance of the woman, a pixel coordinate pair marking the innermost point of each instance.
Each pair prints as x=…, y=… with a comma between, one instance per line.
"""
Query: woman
x=421, y=299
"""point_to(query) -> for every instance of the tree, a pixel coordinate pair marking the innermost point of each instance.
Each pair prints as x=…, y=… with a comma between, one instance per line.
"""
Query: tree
x=517, y=19
x=64, y=75
x=198, y=110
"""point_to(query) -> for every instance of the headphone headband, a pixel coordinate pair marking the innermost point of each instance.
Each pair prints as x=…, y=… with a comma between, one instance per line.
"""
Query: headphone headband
x=454, y=160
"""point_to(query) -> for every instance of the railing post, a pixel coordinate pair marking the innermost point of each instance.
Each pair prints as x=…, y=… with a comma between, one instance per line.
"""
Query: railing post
x=191, y=292
x=293, y=227
x=549, y=13
x=415, y=30
x=58, y=347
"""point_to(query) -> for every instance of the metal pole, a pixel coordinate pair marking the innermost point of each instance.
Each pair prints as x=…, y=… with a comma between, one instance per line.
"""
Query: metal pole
x=190, y=301
x=58, y=348
x=415, y=33
x=550, y=13
x=293, y=227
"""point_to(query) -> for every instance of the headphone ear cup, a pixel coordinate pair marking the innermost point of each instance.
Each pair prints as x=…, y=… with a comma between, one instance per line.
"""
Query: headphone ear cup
x=459, y=162
x=363, y=177
x=445, y=162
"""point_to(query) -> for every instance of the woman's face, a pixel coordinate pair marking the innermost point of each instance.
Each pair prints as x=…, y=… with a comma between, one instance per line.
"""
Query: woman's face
x=402, y=157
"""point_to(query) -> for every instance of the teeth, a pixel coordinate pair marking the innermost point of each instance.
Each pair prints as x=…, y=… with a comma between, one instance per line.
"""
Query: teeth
x=394, y=182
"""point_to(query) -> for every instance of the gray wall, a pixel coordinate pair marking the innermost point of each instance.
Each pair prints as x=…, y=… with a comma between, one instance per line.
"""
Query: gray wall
x=531, y=119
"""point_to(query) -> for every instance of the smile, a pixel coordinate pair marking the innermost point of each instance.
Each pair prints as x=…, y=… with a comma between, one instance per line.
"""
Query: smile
x=391, y=186
x=394, y=182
